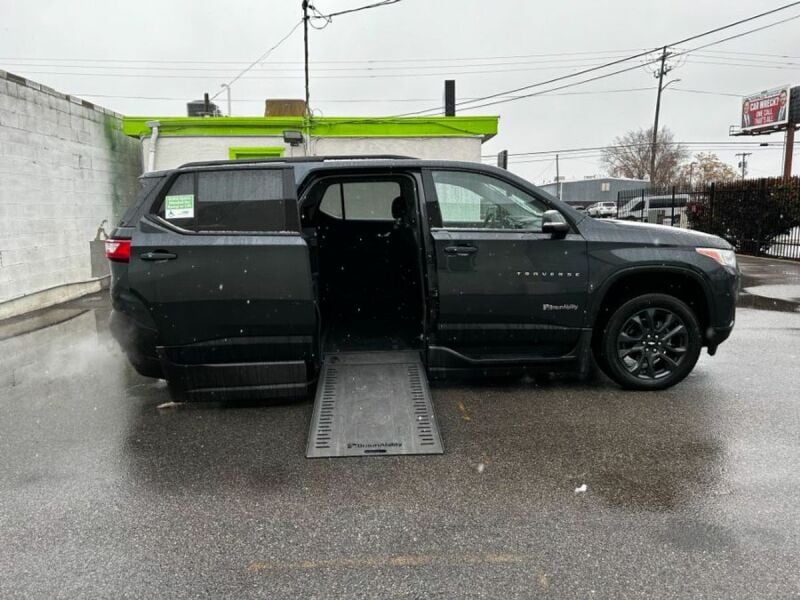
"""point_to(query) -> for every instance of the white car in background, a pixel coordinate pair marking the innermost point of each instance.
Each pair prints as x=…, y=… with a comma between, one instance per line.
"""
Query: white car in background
x=663, y=210
x=786, y=245
x=602, y=210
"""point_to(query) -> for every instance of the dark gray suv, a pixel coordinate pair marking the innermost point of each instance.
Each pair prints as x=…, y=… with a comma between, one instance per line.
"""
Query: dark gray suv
x=234, y=278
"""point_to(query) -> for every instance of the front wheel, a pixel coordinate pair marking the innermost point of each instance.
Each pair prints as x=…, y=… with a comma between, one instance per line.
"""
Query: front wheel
x=650, y=343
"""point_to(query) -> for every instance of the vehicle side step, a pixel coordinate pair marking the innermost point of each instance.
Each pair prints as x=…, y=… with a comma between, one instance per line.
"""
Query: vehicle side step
x=373, y=403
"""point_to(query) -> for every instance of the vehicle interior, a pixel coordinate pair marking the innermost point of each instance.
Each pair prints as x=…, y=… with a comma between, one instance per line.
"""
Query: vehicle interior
x=364, y=241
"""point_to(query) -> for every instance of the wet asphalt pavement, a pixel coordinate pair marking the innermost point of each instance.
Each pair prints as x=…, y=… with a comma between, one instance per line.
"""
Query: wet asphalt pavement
x=691, y=493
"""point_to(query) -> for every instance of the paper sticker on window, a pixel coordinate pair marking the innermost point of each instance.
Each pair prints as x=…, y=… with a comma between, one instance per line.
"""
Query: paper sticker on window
x=179, y=207
x=458, y=204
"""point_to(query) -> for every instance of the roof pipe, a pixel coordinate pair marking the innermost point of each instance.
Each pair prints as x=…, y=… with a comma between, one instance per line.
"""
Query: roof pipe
x=151, y=159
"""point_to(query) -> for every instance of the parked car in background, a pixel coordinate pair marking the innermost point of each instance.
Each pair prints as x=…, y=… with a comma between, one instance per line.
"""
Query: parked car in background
x=663, y=210
x=602, y=210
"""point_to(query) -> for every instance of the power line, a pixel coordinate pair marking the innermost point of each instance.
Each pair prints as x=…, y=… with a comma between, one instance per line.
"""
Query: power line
x=629, y=58
x=407, y=70
x=387, y=100
x=598, y=155
x=640, y=144
x=572, y=62
x=744, y=60
x=620, y=52
x=688, y=91
x=735, y=52
x=329, y=16
x=259, y=59
x=625, y=70
x=746, y=65
x=210, y=75
x=357, y=100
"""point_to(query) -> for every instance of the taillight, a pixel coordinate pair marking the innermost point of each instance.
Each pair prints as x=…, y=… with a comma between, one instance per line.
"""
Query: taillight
x=118, y=250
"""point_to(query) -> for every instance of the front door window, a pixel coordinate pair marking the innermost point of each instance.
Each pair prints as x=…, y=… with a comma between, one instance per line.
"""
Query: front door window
x=469, y=200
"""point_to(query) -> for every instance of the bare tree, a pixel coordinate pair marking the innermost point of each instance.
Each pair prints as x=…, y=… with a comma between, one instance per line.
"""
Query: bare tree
x=629, y=156
x=706, y=168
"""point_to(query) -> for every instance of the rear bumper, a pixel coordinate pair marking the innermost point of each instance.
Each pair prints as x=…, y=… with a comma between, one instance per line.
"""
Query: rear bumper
x=191, y=379
x=138, y=343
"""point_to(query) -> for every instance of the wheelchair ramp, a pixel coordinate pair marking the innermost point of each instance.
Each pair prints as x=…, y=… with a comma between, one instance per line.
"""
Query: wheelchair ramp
x=373, y=403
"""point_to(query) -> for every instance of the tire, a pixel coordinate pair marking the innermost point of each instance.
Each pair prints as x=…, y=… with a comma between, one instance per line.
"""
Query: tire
x=650, y=342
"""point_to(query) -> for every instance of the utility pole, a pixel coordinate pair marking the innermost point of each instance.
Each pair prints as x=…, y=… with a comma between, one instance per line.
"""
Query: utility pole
x=305, y=47
x=328, y=18
x=788, y=150
x=558, y=180
x=743, y=162
x=662, y=70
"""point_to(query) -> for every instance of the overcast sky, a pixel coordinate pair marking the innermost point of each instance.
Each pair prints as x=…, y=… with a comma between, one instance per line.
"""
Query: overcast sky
x=393, y=60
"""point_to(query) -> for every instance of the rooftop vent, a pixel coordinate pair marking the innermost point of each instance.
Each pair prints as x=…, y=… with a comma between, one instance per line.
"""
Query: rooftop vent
x=197, y=108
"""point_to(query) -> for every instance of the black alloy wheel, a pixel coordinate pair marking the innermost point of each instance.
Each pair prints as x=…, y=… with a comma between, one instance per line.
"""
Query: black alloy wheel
x=651, y=342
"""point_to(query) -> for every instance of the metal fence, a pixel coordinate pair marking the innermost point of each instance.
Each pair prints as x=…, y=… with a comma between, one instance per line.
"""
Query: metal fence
x=757, y=216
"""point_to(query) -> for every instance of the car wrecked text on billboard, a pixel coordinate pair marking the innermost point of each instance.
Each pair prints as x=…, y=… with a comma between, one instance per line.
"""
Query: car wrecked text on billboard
x=766, y=109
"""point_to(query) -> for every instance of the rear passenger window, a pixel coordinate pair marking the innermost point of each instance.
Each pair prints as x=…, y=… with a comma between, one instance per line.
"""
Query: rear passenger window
x=370, y=200
x=360, y=200
x=239, y=200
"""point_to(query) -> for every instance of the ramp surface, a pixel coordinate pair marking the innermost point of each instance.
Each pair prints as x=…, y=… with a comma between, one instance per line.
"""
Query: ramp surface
x=373, y=403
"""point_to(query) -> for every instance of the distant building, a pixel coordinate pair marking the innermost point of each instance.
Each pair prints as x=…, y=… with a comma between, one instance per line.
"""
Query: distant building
x=580, y=193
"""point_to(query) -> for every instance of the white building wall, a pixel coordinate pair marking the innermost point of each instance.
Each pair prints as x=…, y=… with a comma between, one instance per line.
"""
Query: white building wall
x=174, y=151
x=65, y=166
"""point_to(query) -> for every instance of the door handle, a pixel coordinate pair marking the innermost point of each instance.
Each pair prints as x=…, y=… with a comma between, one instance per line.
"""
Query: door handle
x=158, y=255
x=460, y=250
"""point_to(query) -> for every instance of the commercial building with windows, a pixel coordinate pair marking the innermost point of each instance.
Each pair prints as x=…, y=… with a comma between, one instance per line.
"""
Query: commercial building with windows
x=581, y=193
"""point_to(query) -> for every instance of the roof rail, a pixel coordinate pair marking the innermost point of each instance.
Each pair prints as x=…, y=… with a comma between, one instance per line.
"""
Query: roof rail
x=295, y=159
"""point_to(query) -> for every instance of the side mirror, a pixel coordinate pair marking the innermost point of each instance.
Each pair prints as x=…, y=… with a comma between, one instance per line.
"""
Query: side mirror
x=555, y=223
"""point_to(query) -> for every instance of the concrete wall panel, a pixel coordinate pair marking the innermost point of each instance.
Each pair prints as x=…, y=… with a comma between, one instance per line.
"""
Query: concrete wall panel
x=65, y=166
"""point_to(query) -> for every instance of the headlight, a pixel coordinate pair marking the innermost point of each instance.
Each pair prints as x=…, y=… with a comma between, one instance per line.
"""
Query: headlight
x=727, y=258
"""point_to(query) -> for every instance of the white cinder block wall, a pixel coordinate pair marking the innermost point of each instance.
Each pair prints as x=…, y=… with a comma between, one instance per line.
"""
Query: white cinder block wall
x=65, y=166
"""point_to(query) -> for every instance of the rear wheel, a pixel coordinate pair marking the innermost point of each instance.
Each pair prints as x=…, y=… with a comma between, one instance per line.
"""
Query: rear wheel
x=650, y=343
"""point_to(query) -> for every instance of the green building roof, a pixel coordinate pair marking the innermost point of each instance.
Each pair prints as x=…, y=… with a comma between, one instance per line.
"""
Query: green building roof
x=483, y=127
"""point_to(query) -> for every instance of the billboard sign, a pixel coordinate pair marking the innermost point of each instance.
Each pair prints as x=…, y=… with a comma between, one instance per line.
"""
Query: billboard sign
x=766, y=110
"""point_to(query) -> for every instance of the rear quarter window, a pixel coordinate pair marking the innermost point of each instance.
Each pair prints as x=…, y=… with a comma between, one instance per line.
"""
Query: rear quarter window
x=147, y=186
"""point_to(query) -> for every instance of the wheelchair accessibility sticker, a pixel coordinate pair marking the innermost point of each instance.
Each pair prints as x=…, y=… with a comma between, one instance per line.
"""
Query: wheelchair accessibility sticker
x=179, y=207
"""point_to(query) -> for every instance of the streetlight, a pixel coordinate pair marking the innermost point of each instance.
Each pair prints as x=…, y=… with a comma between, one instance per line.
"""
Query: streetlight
x=228, y=92
x=667, y=84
